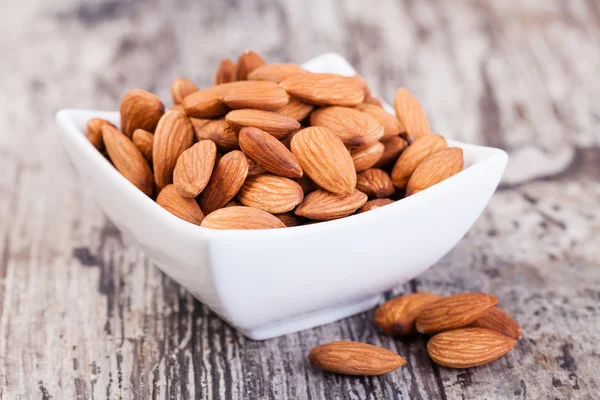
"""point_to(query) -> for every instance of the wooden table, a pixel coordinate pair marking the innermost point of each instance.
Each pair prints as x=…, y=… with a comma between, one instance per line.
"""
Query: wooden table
x=83, y=315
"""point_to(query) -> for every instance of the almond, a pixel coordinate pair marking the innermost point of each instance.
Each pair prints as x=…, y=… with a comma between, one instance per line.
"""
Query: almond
x=194, y=168
x=415, y=154
x=270, y=193
x=273, y=123
x=355, y=128
x=307, y=184
x=241, y=218
x=410, y=112
x=261, y=95
x=94, y=132
x=391, y=125
x=227, y=178
x=365, y=157
x=182, y=207
x=254, y=168
x=375, y=182
x=322, y=205
x=225, y=72
x=468, y=347
x=269, y=152
x=325, y=89
x=497, y=320
x=197, y=123
x=363, y=84
x=324, y=158
x=144, y=140
x=397, y=316
x=392, y=149
x=440, y=166
x=208, y=103
x=373, y=204
x=296, y=109
x=372, y=100
x=275, y=72
x=174, y=134
x=456, y=311
x=355, y=358
x=233, y=203
x=180, y=88
x=289, y=219
x=219, y=131
x=140, y=109
x=247, y=62
x=127, y=159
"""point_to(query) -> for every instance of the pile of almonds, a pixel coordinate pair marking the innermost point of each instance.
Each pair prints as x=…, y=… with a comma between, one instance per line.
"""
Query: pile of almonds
x=468, y=330
x=273, y=145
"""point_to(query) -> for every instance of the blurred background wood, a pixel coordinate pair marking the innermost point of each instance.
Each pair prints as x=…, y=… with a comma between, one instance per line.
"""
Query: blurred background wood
x=84, y=315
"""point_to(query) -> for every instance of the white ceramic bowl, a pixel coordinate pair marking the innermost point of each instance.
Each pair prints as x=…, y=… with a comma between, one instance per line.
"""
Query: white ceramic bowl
x=272, y=282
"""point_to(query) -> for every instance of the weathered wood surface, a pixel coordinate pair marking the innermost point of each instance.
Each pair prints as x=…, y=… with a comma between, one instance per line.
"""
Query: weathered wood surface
x=83, y=315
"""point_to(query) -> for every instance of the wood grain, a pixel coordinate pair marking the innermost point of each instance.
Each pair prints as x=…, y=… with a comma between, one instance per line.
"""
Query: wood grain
x=85, y=315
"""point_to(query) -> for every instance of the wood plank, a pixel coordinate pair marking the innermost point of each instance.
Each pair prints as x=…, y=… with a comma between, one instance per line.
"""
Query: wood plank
x=84, y=315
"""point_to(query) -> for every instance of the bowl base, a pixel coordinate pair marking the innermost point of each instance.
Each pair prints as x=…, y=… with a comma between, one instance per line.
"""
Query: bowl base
x=311, y=320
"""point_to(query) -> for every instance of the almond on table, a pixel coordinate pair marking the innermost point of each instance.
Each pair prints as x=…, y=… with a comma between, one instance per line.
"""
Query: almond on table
x=355, y=358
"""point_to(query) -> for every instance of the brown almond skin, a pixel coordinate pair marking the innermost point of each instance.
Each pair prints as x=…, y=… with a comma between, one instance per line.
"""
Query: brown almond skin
x=437, y=168
x=241, y=218
x=397, y=316
x=255, y=168
x=452, y=312
x=259, y=95
x=324, y=158
x=391, y=125
x=144, y=140
x=208, y=103
x=227, y=178
x=127, y=159
x=225, y=72
x=367, y=156
x=498, y=320
x=355, y=358
x=373, y=204
x=275, y=72
x=270, y=193
x=219, y=131
x=271, y=122
x=468, y=347
x=307, y=184
x=296, y=109
x=325, y=89
x=410, y=112
x=269, y=152
x=392, y=148
x=247, y=62
x=362, y=83
x=140, y=109
x=375, y=183
x=289, y=219
x=174, y=134
x=93, y=131
x=322, y=205
x=415, y=154
x=353, y=127
x=194, y=168
x=180, y=88
x=372, y=100
x=182, y=207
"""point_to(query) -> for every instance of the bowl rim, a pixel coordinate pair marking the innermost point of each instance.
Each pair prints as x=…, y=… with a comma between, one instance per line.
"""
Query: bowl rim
x=66, y=118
